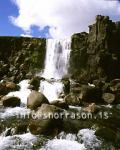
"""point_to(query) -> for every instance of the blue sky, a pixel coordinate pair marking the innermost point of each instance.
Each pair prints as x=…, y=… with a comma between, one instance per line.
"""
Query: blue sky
x=7, y=8
x=54, y=17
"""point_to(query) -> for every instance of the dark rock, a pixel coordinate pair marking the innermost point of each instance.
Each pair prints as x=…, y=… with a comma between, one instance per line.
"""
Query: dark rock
x=91, y=94
x=60, y=104
x=117, y=98
x=45, y=109
x=115, y=85
x=99, y=83
x=10, y=101
x=3, y=89
x=21, y=129
x=72, y=100
x=106, y=88
x=108, y=97
x=66, y=87
x=106, y=133
x=94, y=54
x=35, y=82
x=114, y=82
x=45, y=122
x=21, y=55
x=36, y=99
x=12, y=86
x=76, y=90
x=90, y=109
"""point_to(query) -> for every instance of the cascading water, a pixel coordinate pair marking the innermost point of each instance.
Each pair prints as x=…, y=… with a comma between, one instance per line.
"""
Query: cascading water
x=56, y=66
x=57, y=58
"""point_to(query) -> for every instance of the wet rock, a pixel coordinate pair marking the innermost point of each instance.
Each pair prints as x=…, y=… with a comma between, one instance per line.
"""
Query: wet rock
x=60, y=104
x=114, y=82
x=46, y=109
x=115, y=88
x=76, y=90
x=12, y=86
x=106, y=88
x=117, y=98
x=108, y=97
x=21, y=128
x=91, y=94
x=35, y=82
x=72, y=100
x=3, y=89
x=36, y=99
x=106, y=133
x=46, y=121
x=62, y=95
x=66, y=87
x=10, y=101
x=99, y=83
x=91, y=108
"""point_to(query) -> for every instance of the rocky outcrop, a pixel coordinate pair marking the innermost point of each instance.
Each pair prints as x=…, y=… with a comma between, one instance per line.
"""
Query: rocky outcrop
x=20, y=57
x=97, y=54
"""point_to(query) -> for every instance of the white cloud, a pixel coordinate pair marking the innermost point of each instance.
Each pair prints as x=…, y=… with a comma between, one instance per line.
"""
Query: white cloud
x=64, y=17
x=26, y=35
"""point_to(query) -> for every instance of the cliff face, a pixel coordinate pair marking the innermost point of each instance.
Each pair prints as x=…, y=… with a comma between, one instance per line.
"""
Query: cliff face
x=20, y=56
x=97, y=54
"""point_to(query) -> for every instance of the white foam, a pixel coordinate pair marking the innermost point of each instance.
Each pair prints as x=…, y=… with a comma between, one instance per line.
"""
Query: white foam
x=75, y=108
x=10, y=112
x=24, y=141
x=51, y=90
x=89, y=139
x=62, y=144
x=84, y=140
x=23, y=93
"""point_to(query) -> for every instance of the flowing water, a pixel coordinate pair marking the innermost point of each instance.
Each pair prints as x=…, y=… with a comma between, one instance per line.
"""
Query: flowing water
x=56, y=66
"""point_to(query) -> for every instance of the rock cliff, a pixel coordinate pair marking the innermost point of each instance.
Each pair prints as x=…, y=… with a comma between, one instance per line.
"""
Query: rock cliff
x=20, y=57
x=96, y=54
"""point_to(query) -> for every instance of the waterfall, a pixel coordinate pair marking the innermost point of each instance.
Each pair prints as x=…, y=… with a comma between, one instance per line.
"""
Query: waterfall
x=56, y=66
x=57, y=58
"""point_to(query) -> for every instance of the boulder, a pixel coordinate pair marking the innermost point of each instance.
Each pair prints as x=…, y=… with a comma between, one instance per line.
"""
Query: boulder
x=99, y=83
x=114, y=82
x=35, y=82
x=72, y=100
x=117, y=98
x=21, y=128
x=115, y=88
x=47, y=120
x=76, y=90
x=36, y=99
x=45, y=109
x=66, y=87
x=12, y=86
x=3, y=89
x=106, y=133
x=91, y=94
x=91, y=108
x=61, y=104
x=10, y=101
x=108, y=97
